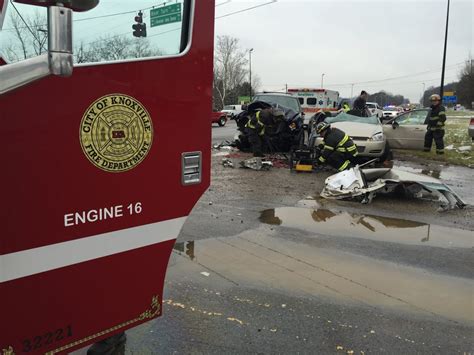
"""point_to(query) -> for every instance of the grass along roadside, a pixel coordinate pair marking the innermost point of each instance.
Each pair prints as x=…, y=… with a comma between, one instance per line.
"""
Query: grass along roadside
x=456, y=136
x=465, y=114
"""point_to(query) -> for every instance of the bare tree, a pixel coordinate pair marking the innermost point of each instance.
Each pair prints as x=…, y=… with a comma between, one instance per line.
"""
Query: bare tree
x=229, y=67
x=109, y=48
x=28, y=36
x=465, y=87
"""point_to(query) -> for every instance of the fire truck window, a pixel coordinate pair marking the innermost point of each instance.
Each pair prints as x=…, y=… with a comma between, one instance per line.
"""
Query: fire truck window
x=112, y=31
x=311, y=101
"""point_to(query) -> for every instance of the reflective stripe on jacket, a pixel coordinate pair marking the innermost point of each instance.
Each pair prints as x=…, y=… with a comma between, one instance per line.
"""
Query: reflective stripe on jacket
x=337, y=140
x=255, y=123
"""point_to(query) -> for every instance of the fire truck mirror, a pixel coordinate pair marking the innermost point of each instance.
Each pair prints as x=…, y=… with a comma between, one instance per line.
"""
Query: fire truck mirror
x=60, y=40
x=75, y=5
x=59, y=59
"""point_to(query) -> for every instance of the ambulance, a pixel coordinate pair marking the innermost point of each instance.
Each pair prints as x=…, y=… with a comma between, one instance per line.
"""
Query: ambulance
x=314, y=100
x=98, y=176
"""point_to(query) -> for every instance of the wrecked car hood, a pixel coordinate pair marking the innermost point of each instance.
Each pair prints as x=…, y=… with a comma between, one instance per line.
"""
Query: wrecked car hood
x=366, y=183
x=357, y=129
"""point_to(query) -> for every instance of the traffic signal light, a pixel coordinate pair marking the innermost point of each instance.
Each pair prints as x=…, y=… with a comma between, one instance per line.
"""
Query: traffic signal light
x=139, y=27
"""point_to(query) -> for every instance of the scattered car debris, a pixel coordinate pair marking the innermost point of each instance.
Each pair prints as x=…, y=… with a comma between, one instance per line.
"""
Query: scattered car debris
x=224, y=145
x=364, y=184
x=227, y=163
x=464, y=149
x=449, y=147
x=256, y=163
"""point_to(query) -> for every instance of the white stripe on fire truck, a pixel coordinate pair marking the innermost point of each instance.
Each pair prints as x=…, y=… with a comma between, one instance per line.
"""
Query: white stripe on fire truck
x=33, y=261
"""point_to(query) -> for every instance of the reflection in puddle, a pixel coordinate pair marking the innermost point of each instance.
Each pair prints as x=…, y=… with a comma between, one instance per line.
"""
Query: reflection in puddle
x=257, y=260
x=345, y=224
x=185, y=247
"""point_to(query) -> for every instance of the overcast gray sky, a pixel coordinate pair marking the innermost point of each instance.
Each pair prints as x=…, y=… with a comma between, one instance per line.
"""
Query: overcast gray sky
x=295, y=42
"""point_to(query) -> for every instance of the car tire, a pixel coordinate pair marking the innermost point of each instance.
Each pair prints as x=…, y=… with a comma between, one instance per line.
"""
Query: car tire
x=387, y=153
x=222, y=121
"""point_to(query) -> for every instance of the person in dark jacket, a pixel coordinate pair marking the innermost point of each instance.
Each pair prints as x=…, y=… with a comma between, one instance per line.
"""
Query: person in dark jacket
x=360, y=105
x=435, y=125
x=261, y=125
x=338, y=150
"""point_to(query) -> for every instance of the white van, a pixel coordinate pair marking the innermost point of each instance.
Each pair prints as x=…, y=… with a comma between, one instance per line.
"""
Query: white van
x=232, y=110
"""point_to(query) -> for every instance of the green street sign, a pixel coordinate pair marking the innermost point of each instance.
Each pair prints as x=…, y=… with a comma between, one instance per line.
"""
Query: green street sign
x=164, y=15
x=164, y=20
x=244, y=99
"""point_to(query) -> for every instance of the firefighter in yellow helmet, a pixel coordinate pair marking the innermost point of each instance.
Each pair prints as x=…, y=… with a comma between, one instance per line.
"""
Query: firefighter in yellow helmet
x=435, y=126
x=338, y=150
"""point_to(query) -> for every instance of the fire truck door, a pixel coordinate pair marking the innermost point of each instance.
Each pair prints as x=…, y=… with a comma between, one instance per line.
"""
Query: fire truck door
x=100, y=169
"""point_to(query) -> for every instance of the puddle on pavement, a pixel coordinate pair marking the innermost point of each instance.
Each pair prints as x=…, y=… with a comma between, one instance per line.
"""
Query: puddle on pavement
x=186, y=248
x=257, y=259
x=344, y=224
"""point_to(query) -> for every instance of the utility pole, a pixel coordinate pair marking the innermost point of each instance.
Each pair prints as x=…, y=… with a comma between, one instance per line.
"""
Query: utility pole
x=352, y=91
x=286, y=88
x=322, y=81
x=250, y=72
x=444, y=54
x=422, y=101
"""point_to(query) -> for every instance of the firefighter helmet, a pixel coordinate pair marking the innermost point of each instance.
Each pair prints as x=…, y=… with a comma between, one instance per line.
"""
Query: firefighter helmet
x=322, y=126
x=435, y=97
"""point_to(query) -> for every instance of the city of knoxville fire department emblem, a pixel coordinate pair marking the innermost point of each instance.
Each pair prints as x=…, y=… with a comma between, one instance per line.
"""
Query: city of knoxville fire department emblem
x=116, y=133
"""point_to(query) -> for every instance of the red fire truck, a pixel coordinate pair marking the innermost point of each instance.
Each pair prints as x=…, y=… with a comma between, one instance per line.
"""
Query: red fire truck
x=95, y=182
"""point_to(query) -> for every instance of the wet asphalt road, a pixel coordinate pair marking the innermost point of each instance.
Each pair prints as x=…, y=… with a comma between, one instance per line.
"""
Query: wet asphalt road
x=263, y=266
x=220, y=134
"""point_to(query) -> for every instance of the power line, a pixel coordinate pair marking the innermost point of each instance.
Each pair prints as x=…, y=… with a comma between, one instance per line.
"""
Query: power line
x=395, y=78
x=223, y=3
x=247, y=9
x=177, y=29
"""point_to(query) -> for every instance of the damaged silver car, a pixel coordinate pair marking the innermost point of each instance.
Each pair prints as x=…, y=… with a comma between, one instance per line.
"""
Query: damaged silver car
x=365, y=184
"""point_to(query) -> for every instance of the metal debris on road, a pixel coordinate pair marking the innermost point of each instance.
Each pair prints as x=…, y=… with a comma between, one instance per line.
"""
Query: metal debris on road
x=364, y=184
x=464, y=149
x=224, y=145
x=256, y=163
x=227, y=163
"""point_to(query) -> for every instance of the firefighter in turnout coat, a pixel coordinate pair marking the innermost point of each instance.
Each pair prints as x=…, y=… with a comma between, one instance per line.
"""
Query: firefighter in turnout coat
x=255, y=128
x=435, y=125
x=339, y=150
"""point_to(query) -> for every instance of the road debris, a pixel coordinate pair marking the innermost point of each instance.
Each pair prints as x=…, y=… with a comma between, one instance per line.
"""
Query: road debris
x=464, y=149
x=225, y=145
x=227, y=163
x=364, y=184
x=256, y=163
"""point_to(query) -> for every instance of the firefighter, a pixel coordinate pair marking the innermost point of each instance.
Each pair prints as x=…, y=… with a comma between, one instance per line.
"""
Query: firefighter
x=435, y=127
x=359, y=108
x=255, y=128
x=338, y=149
